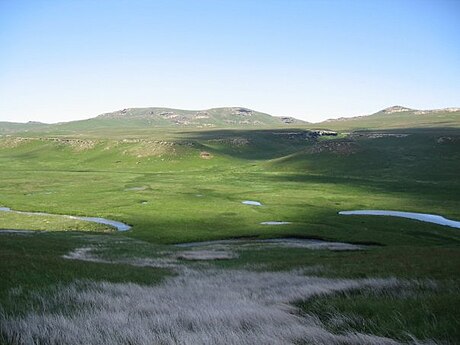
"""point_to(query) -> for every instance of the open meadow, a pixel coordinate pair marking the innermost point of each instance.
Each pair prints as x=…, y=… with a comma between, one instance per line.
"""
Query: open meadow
x=363, y=279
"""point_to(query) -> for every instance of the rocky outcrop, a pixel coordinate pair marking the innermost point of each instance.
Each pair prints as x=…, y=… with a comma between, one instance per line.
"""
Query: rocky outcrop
x=340, y=147
x=75, y=144
x=395, y=109
x=237, y=141
x=444, y=110
x=320, y=133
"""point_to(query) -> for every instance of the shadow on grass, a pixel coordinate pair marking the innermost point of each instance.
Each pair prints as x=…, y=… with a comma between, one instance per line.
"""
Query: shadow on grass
x=253, y=144
x=324, y=225
x=443, y=190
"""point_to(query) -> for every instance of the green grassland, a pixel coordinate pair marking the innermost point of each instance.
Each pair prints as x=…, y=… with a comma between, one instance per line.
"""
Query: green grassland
x=186, y=185
x=406, y=119
x=169, y=193
x=15, y=221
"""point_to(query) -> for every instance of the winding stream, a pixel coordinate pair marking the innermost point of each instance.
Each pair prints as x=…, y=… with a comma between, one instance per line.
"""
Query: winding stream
x=424, y=217
x=117, y=225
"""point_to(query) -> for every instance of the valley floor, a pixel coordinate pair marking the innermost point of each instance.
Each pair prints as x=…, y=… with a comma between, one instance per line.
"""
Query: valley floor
x=371, y=280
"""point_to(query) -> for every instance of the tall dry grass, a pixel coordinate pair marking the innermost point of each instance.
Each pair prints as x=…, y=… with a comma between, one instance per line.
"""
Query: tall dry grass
x=196, y=307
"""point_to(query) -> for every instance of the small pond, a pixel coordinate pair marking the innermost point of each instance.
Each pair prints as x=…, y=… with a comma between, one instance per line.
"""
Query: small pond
x=251, y=202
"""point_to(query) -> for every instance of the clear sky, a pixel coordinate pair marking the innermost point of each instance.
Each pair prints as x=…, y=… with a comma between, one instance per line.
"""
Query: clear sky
x=73, y=59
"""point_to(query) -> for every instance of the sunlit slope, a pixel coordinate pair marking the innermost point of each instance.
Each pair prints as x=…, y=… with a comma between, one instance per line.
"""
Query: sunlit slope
x=397, y=117
x=142, y=119
x=215, y=117
x=166, y=117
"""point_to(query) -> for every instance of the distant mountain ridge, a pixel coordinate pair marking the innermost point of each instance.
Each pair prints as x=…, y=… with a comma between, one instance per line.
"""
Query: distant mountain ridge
x=137, y=119
x=214, y=117
x=154, y=117
x=398, y=109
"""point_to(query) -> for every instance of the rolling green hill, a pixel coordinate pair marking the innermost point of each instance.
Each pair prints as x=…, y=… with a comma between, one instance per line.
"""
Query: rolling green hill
x=397, y=117
x=216, y=117
x=145, y=121
x=136, y=119
x=14, y=127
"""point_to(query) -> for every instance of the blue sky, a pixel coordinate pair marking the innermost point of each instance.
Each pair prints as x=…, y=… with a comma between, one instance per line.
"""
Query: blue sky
x=66, y=60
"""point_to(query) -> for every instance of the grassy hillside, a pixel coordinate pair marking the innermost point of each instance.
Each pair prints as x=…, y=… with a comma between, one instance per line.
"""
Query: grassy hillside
x=216, y=117
x=398, y=117
x=142, y=119
x=14, y=127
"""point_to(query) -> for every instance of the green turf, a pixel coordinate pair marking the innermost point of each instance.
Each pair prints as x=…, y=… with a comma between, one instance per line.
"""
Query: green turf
x=18, y=221
x=392, y=315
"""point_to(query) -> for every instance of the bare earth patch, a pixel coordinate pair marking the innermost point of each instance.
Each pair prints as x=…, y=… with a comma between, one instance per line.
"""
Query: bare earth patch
x=242, y=244
x=206, y=155
x=207, y=255
x=88, y=254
